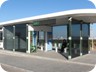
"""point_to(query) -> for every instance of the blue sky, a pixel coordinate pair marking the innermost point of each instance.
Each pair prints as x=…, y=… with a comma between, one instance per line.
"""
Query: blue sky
x=16, y=9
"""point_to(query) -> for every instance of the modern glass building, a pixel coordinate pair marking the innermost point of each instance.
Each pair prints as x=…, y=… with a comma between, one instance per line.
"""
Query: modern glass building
x=25, y=34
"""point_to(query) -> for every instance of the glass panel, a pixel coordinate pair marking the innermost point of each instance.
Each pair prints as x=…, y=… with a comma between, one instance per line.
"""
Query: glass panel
x=41, y=38
x=59, y=34
x=27, y=37
x=75, y=49
x=85, y=38
x=0, y=36
x=33, y=41
x=49, y=40
x=8, y=41
x=20, y=37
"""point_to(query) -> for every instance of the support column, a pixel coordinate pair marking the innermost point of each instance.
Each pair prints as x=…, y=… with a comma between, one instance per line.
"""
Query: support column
x=14, y=37
x=81, y=38
x=88, y=38
x=3, y=38
x=28, y=42
x=70, y=38
x=28, y=51
x=92, y=37
x=27, y=37
x=45, y=41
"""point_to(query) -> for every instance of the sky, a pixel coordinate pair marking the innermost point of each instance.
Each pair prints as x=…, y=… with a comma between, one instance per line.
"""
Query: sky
x=16, y=9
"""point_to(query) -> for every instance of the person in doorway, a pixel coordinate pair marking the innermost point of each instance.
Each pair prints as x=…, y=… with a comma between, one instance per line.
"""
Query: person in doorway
x=64, y=45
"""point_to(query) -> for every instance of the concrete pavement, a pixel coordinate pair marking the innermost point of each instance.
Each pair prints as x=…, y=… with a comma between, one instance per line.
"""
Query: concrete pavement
x=88, y=58
x=9, y=68
x=37, y=63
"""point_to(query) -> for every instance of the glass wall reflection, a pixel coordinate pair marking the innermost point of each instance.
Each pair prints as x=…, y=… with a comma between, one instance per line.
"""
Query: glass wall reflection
x=75, y=49
x=85, y=35
x=20, y=37
x=59, y=34
x=78, y=43
x=8, y=37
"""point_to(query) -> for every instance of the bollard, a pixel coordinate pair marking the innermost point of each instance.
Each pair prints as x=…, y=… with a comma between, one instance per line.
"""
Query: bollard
x=13, y=50
x=59, y=45
x=56, y=48
x=65, y=50
x=41, y=47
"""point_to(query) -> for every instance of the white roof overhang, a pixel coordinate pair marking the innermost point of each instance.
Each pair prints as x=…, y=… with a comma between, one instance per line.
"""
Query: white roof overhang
x=87, y=15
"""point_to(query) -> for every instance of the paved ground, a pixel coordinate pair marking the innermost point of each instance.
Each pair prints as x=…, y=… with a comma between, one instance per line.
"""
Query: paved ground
x=10, y=68
x=47, y=62
x=50, y=54
x=88, y=58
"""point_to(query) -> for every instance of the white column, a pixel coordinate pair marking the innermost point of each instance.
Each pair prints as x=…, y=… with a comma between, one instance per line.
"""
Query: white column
x=28, y=42
x=45, y=41
x=56, y=48
x=14, y=38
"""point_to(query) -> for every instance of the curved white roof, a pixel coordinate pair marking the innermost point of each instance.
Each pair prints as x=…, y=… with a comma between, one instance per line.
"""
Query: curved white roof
x=87, y=15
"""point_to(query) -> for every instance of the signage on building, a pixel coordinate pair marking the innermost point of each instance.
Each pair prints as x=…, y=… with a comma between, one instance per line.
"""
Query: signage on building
x=36, y=23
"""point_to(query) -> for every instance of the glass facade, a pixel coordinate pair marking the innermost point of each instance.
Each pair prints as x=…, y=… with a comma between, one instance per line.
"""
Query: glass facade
x=41, y=38
x=75, y=47
x=15, y=37
x=0, y=36
x=78, y=35
x=59, y=34
x=33, y=41
x=20, y=37
x=8, y=37
x=85, y=36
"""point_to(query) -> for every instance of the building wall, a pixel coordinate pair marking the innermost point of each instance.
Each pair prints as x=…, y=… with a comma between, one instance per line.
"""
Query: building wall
x=78, y=38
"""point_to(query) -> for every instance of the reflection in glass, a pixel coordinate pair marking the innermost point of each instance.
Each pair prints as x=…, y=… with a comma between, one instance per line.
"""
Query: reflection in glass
x=75, y=49
x=0, y=35
x=41, y=38
x=8, y=38
x=20, y=37
x=85, y=38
